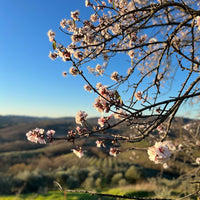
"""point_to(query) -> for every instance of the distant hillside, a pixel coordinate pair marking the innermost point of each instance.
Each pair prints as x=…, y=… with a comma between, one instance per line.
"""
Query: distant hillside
x=23, y=163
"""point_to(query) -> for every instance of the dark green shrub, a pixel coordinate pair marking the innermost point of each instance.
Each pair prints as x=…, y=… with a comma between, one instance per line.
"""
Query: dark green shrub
x=72, y=182
x=116, y=178
x=133, y=174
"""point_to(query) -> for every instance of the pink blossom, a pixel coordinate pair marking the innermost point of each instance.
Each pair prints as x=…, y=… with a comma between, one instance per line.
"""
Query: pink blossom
x=170, y=145
x=129, y=70
x=99, y=69
x=64, y=73
x=101, y=121
x=159, y=153
x=87, y=3
x=98, y=85
x=138, y=95
x=120, y=114
x=100, y=143
x=73, y=71
x=36, y=135
x=53, y=56
x=78, y=54
x=51, y=35
x=50, y=133
x=165, y=166
x=66, y=56
x=198, y=21
x=79, y=153
x=131, y=53
x=180, y=147
x=198, y=160
x=113, y=151
x=63, y=23
x=81, y=117
x=101, y=105
x=115, y=76
x=93, y=17
x=81, y=130
x=161, y=128
x=88, y=88
x=75, y=15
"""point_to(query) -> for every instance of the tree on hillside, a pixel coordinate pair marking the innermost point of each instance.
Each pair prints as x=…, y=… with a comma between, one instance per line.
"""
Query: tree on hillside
x=159, y=41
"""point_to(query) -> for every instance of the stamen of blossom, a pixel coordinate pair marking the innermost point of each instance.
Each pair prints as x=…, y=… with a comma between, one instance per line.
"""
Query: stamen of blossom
x=36, y=135
x=159, y=153
x=81, y=117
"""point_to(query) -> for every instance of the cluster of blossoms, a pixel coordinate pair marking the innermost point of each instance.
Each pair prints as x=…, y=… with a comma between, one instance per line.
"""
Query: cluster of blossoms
x=98, y=36
x=81, y=117
x=160, y=152
x=103, y=120
x=106, y=99
x=39, y=136
x=98, y=70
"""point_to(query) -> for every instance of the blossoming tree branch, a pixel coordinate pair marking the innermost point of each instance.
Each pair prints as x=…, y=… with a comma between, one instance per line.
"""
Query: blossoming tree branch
x=158, y=39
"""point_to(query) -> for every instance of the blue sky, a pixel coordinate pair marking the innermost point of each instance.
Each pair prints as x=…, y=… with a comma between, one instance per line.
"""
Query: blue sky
x=30, y=83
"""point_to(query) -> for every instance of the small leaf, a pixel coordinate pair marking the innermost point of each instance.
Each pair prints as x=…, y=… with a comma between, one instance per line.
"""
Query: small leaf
x=54, y=45
x=118, y=97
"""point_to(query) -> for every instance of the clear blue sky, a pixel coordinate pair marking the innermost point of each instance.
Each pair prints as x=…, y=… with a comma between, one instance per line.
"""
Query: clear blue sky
x=30, y=83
